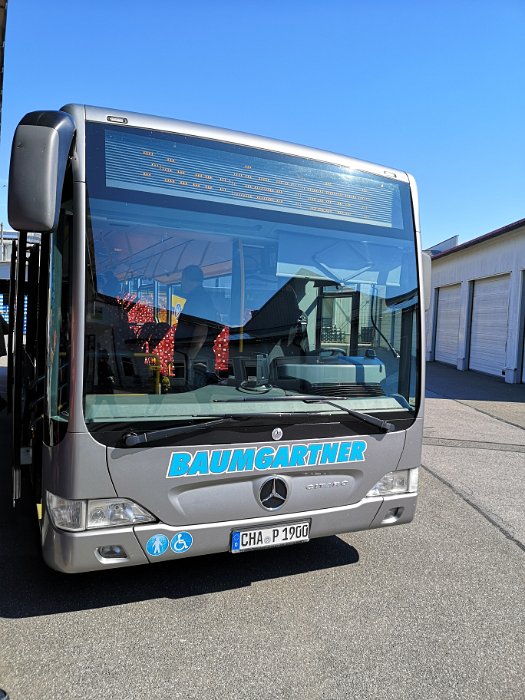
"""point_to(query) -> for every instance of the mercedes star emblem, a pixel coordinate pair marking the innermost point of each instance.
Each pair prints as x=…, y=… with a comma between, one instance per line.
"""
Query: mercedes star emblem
x=273, y=494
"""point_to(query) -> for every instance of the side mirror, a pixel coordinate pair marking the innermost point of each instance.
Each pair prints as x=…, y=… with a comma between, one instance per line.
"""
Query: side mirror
x=39, y=157
x=426, y=261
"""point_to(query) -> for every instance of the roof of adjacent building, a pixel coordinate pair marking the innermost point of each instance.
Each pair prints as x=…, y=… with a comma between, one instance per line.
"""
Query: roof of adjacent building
x=509, y=228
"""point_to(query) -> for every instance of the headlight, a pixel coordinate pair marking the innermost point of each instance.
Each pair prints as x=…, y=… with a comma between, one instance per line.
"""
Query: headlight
x=404, y=481
x=115, y=512
x=78, y=515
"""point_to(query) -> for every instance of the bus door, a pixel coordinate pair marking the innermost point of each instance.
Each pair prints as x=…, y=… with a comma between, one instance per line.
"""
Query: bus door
x=27, y=348
x=35, y=357
x=10, y=339
x=17, y=355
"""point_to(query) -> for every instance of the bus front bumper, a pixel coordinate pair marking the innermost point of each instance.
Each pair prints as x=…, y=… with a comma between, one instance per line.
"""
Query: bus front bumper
x=91, y=550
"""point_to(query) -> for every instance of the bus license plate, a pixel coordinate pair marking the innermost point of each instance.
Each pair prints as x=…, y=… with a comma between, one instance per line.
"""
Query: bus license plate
x=243, y=540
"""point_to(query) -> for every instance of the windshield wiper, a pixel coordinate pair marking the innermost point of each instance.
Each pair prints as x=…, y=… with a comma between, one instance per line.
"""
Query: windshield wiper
x=132, y=439
x=383, y=425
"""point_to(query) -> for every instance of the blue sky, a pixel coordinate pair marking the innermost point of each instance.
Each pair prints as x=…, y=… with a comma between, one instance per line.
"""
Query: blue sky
x=433, y=87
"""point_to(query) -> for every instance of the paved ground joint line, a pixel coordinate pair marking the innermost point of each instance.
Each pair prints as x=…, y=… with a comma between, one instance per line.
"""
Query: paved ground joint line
x=477, y=508
x=486, y=413
x=474, y=408
x=472, y=444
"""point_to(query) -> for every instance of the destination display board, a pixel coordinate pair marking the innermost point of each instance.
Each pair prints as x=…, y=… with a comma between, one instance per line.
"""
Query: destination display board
x=209, y=170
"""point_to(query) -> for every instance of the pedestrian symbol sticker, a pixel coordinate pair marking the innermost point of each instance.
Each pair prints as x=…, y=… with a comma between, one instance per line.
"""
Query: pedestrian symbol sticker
x=157, y=545
x=181, y=542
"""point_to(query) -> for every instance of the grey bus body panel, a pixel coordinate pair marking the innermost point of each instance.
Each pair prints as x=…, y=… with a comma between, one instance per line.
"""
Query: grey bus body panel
x=78, y=113
x=411, y=455
x=421, y=282
x=331, y=498
x=141, y=475
x=76, y=423
x=76, y=468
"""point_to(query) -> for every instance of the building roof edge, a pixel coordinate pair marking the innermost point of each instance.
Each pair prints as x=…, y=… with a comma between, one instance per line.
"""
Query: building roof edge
x=482, y=239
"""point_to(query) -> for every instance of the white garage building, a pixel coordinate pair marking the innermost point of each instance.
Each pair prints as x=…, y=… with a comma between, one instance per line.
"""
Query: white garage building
x=477, y=315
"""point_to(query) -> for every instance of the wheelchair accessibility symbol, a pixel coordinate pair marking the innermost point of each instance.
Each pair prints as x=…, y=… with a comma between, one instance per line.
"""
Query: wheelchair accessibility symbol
x=181, y=542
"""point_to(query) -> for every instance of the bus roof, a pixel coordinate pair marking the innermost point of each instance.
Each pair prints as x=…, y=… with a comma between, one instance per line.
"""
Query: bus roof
x=117, y=116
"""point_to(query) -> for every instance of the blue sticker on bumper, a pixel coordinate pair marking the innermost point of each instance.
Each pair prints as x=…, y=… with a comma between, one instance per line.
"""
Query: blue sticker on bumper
x=157, y=545
x=181, y=542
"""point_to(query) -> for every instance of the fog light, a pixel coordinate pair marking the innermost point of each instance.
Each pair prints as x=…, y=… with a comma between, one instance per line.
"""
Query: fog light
x=392, y=515
x=112, y=551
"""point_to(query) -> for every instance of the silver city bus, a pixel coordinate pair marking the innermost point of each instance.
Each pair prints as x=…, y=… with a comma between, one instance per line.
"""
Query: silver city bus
x=224, y=339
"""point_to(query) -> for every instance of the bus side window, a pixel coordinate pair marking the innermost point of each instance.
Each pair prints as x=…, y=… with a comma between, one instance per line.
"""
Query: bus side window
x=59, y=323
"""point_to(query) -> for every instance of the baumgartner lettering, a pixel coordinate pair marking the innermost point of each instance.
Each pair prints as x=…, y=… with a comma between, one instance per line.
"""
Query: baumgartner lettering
x=245, y=459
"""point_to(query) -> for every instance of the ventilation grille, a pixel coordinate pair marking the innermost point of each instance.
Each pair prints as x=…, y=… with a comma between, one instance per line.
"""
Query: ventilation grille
x=346, y=390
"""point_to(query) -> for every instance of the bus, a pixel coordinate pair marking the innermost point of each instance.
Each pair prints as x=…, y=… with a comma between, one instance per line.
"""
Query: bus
x=223, y=346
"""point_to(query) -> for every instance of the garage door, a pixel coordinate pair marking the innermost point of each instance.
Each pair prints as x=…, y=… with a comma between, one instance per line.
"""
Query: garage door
x=447, y=328
x=489, y=325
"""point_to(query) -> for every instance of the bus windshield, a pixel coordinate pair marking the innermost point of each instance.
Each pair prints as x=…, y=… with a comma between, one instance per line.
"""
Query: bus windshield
x=218, y=274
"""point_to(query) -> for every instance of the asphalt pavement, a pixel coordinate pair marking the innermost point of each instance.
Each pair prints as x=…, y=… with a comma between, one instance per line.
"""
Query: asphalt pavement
x=474, y=441
x=433, y=610
x=485, y=393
